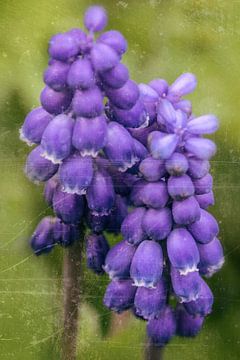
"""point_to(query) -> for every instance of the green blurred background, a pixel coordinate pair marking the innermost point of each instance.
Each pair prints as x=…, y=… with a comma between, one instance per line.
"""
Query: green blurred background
x=165, y=39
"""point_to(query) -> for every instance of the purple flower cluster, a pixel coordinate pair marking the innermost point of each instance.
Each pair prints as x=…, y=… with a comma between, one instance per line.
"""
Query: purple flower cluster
x=169, y=238
x=105, y=143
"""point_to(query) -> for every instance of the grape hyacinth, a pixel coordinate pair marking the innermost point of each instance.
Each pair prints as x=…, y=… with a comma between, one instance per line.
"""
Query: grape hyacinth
x=106, y=145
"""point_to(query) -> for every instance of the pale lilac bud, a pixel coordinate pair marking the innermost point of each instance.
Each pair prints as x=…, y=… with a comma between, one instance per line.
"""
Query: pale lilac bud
x=37, y=168
x=187, y=325
x=186, y=211
x=104, y=57
x=206, y=124
x=147, y=264
x=211, y=257
x=205, y=200
x=183, y=85
x=56, y=74
x=203, y=185
x=119, y=295
x=198, y=168
x=177, y=164
x=42, y=240
x=81, y=75
x=34, y=125
x=152, y=169
x=166, y=114
x=68, y=207
x=88, y=103
x=186, y=287
x=182, y=251
x=162, y=146
x=203, y=149
x=162, y=329
x=157, y=224
x=95, y=18
x=55, y=102
x=118, y=260
x=160, y=86
x=96, y=251
x=203, y=304
x=114, y=39
x=63, y=47
x=132, y=226
x=180, y=187
x=76, y=174
x=89, y=135
x=133, y=118
x=57, y=139
x=100, y=194
x=125, y=97
x=205, y=229
x=150, y=302
x=184, y=105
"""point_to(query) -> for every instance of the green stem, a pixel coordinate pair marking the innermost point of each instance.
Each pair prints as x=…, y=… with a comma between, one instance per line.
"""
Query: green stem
x=153, y=352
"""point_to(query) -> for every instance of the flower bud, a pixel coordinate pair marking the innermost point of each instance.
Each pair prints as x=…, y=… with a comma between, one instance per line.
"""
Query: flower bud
x=57, y=139
x=187, y=325
x=63, y=47
x=55, y=75
x=184, y=105
x=186, y=287
x=116, y=77
x=206, y=124
x=131, y=228
x=157, y=224
x=49, y=190
x=177, y=164
x=205, y=229
x=160, y=86
x=88, y=103
x=133, y=118
x=211, y=257
x=150, y=302
x=205, y=200
x=42, y=240
x=119, y=295
x=203, y=185
x=37, y=168
x=115, y=40
x=117, y=215
x=203, y=304
x=166, y=114
x=182, y=251
x=152, y=195
x=34, y=125
x=76, y=174
x=162, y=146
x=147, y=264
x=198, y=168
x=97, y=249
x=125, y=97
x=104, y=57
x=180, y=187
x=183, y=85
x=55, y=102
x=81, y=75
x=118, y=260
x=162, y=329
x=203, y=149
x=186, y=211
x=95, y=18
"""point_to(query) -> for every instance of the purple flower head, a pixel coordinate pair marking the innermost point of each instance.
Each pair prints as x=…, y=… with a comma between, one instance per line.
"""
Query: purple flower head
x=187, y=325
x=116, y=77
x=76, y=174
x=203, y=304
x=162, y=329
x=125, y=97
x=152, y=169
x=57, y=139
x=97, y=249
x=180, y=187
x=88, y=103
x=157, y=223
x=89, y=135
x=132, y=226
x=177, y=164
x=49, y=189
x=183, y=85
x=42, y=240
x=103, y=57
x=203, y=149
x=186, y=287
x=37, y=168
x=118, y=260
x=203, y=185
x=100, y=194
x=56, y=74
x=117, y=215
x=34, y=125
x=206, y=124
x=160, y=86
x=150, y=302
x=81, y=75
x=205, y=229
x=95, y=18
x=115, y=40
x=198, y=168
x=133, y=118
x=119, y=147
x=182, y=251
x=186, y=211
x=55, y=102
x=65, y=234
x=147, y=264
x=211, y=257
x=205, y=200
x=63, y=47
x=161, y=145
x=119, y=295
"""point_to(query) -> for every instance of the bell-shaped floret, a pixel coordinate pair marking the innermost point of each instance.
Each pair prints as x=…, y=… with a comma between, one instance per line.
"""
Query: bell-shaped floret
x=103, y=57
x=203, y=304
x=96, y=251
x=55, y=102
x=177, y=164
x=186, y=287
x=187, y=325
x=198, y=168
x=152, y=169
x=162, y=329
x=119, y=295
x=157, y=224
x=203, y=185
x=42, y=240
x=211, y=257
x=115, y=40
x=81, y=75
x=205, y=200
x=125, y=97
x=63, y=47
x=205, y=229
x=133, y=118
x=88, y=103
x=55, y=76
x=116, y=77
x=131, y=228
x=180, y=187
x=186, y=211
